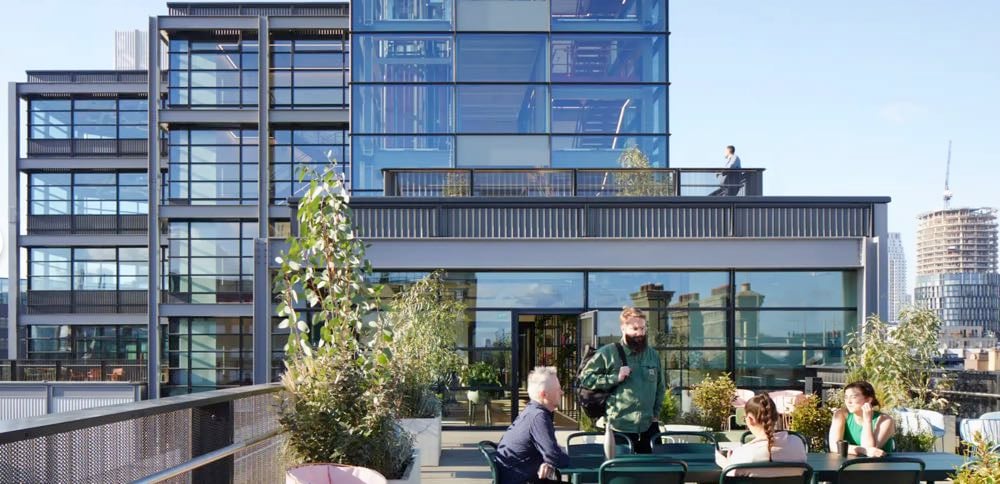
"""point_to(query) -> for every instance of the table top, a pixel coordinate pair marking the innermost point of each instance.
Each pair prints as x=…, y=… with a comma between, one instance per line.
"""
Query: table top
x=702, y=467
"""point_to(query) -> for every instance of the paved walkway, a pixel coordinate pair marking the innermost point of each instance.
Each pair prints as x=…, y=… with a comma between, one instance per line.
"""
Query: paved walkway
x=460, y=458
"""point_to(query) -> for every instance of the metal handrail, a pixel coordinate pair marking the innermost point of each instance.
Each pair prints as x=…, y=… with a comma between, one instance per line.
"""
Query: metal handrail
x=205, y=459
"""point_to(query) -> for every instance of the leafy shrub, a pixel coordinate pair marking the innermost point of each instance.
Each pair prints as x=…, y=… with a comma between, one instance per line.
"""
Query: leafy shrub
x=670, y=407
x=812, y=420
x=914, y=442
x=714, y=399
x=983, y=466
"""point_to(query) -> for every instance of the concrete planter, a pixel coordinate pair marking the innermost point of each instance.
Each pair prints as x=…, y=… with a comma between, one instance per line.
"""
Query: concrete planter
x=426, y=434
x=412, y=473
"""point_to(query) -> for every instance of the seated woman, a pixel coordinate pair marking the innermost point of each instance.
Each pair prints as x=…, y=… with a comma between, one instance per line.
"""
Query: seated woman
x=767, y=445
x=867, y=432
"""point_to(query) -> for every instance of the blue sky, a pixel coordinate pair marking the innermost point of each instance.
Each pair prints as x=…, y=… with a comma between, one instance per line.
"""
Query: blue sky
x=833, y=98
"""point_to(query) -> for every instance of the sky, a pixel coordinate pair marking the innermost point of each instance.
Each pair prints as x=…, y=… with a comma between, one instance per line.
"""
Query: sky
x=832, y=98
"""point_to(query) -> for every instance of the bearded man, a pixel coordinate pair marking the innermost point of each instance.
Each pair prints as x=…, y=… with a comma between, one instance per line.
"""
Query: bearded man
x=634, y=404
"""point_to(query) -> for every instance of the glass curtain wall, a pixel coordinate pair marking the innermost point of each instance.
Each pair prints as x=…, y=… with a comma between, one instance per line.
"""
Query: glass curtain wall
x=309, y=73
x=87, y=342
x=211, y=167
x=762, y=327
x=216, y=72
x=78, y=193
x=293, y=150
x=86, y=118
x=209, y=262
x=208, y=353
x=506, y=84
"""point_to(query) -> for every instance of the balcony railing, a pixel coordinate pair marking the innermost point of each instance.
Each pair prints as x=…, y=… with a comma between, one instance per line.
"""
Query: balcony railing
x=617, y=182
x=83, y=301
x=74, y=370
x=87, y=147
x=87, y=224
x=228, y=435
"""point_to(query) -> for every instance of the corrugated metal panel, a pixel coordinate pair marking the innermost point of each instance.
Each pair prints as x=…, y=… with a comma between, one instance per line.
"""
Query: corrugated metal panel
x=12, y=408
x=804, y=222
x=659, y=222
x=414, y=223
x=514, y=222
x=66, y=404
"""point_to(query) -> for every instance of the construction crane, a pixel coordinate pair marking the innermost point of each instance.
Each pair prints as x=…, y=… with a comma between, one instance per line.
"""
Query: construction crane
x=947, y=173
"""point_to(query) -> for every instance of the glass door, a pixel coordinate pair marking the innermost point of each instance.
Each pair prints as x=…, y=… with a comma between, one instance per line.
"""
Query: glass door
x=549, y=340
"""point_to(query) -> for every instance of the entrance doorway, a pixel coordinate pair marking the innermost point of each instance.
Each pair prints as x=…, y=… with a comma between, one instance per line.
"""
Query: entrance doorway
x=550, y=340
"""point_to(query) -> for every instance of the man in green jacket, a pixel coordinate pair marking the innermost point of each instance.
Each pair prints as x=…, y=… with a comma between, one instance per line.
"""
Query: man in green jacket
x=635, y=403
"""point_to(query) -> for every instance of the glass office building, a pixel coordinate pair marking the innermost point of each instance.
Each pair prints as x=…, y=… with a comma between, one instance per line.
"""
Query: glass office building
x=533, y=104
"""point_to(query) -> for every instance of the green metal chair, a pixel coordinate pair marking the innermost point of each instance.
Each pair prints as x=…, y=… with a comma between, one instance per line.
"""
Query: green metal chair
x=623, y=444
x=642, y=469
x=746, y=437
x=489, y=450
x=679, y=443
x=749, y=473
x=881, y=470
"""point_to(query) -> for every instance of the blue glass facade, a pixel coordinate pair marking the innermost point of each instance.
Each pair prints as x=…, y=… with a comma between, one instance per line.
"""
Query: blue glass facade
x=498, y=83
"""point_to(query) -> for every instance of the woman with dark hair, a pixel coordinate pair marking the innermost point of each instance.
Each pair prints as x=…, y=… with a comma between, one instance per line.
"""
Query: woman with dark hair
x=867, y=431
x=767, y=445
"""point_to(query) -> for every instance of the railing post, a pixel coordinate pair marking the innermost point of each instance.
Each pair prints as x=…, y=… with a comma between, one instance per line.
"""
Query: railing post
x=212, y=428
x=814, y=385
x=104, y=370
x=13, y=370
x=58, y=370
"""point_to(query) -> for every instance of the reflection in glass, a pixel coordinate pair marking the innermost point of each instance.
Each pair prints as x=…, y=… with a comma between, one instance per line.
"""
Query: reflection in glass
x=658, y=289
x=402, y=109
x=783, y=368
x=832, y=289
x=372, y=154
x=402, y=15
x=603, y=151
x=795, y=328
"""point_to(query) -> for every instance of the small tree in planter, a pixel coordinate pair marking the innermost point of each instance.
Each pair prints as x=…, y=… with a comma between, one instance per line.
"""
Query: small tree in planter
x=477, y=375
x=812, y=419
x=339, y=401
x=714, y=399
x=423, y=320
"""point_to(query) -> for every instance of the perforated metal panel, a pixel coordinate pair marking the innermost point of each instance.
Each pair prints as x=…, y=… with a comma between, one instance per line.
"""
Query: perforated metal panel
x=260, y=463
x=111, y=453
x=256, y=417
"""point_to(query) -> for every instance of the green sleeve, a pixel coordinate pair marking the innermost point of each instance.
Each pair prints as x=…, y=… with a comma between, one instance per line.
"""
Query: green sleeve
x=595, y=375
x=661, y=389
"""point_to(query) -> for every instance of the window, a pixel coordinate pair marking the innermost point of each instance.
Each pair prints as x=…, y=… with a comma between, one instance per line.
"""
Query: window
x=608, y=109
x=83, y=193
x=309, y=73
x=609, y=58
x=506, y=109
x=212, y=73
x=295, y=150
x=212, y=167
x=402, y=58
x=87, y=119
x=371, y=154
x=87, y=279
x=502, y=58
x=402, y=15
x=398, y=109
x=609, y=15
x=210, y=262
x=208, y=353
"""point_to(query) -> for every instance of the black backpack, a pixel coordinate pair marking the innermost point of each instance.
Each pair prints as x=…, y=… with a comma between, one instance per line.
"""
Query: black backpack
x=594, y=402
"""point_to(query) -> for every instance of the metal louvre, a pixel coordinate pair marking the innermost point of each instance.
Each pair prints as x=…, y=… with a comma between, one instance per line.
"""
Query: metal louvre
x=89, y=77
x=87, y=224
x=514, y=222
x=804, y=222
x=86, y=147
x=660, y=222
x=116, y=452
x=388, y=223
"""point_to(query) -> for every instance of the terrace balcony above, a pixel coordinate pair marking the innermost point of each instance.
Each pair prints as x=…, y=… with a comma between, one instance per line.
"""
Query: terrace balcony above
x=571, y=182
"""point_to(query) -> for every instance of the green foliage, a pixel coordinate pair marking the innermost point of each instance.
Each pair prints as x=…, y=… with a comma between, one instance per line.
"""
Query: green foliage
x=338, y=404
x=640, y=182
x=914, y=442
x=898, y=361
x=692, y=417
x=480, y=374
x=812, y=420
x=714, y=399
x=983, y=466
x=586, y=424
x=423, y=319
x=670, y=407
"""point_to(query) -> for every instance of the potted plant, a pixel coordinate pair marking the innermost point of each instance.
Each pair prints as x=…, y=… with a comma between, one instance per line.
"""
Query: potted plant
x=476, y=376
x=713, y=398
x=339, y=386
x=423, y=319
x=812, y=419
x=983, y=465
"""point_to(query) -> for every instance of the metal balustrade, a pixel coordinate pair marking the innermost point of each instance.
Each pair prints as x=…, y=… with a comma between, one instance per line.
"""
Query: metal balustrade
x=228, y=435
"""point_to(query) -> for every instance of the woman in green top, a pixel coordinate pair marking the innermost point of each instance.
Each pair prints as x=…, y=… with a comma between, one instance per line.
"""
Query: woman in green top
x=867, y=432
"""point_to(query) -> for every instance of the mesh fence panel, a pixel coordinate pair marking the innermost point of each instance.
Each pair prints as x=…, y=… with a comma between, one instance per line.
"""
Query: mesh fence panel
x=260, y=463
x=256, y=416
x=110, y=453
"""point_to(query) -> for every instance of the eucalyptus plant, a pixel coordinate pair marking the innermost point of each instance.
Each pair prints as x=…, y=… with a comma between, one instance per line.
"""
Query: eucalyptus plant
x=640, y=182
x=338, y=405
x=899, y=360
